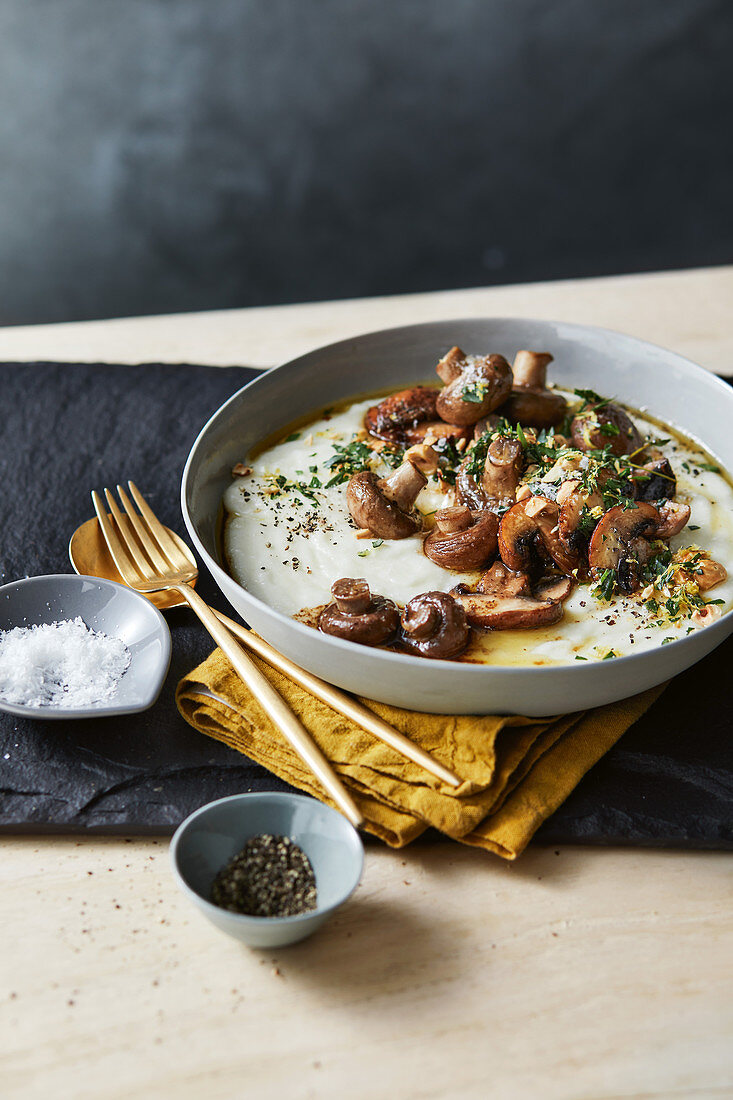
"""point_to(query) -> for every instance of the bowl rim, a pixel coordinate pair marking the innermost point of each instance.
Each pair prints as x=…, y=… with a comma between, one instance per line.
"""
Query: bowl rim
x=95, y=710
x=579, y=670
x=354, y=840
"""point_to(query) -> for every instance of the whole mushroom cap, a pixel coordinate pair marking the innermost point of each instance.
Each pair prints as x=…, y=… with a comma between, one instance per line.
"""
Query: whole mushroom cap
x=462, y=540
x=358, y=616
x=398, y=418
x=530, y=402
x=475, y=386
x=372, y=510
x=434, y=625
x=606, y=426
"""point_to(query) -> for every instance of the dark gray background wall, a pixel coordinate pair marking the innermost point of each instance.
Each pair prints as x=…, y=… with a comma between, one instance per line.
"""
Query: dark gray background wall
x=163, y=155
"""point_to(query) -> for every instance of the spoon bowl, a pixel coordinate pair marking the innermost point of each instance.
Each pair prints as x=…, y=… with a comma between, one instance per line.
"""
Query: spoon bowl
x=90, y=557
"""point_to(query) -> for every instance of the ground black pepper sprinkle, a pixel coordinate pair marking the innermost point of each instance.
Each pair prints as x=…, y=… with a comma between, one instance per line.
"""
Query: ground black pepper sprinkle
x=270, y=877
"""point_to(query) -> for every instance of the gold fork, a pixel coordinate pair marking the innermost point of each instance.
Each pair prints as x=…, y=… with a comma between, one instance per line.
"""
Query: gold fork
x=157, y=565
x=337, y=700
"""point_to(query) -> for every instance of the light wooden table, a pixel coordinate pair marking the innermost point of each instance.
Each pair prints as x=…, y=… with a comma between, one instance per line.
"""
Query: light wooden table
x=573, y=973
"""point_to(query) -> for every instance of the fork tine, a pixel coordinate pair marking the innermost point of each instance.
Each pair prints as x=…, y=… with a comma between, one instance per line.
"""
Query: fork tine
x=160, y=561
x=163, y=538
x=127, y=570
x=142, y=564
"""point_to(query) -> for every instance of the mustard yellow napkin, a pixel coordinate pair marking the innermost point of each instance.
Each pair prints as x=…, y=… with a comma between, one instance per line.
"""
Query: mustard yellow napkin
x=515, y=771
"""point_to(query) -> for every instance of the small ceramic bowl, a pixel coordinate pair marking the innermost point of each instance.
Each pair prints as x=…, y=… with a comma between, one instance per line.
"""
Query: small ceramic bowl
x=106, y=607
x=208, y=839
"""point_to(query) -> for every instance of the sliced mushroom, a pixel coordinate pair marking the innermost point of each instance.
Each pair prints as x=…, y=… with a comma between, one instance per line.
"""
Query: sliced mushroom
x=554, y=588
x=605, y=426
x=475, y=386
x=494, y=612
x=529, y=534
x=385, y=506
x=621, y=542
x=434, y=625
x=500, y=581
x=462, y=539
x=530, y=402
x=359, y=616
x=398, y=417
x=431, y=430
x=673, y=517
x=505, y=600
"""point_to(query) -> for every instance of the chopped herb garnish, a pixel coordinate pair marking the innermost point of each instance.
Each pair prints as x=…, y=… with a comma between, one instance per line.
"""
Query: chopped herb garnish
x=379, y=542
x=609, y=655
x=709, y=466
x=579, y=658
x=349, y=459
x=292, y=436
x=362, y=553
x=669, y=638
x=591, y=400
x=474, y=392
x=604, y=586
x=692, y=527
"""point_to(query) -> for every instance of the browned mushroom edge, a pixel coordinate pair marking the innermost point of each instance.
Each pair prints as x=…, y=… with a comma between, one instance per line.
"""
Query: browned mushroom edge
x=620, y=543
x=474, y=386
x=530, y=402
x=462, y=540
x=505, y=600
x=529, y=536
x=395, y=417
x=434, y=625
x=358, y=615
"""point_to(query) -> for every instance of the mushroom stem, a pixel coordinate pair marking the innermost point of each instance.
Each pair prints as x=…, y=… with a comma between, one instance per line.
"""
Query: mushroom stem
x=530, y=368
x=451, y=365
x=404, y=485
x=501, y=469
x=352, y=596
x=453, y=519
x=423, y=457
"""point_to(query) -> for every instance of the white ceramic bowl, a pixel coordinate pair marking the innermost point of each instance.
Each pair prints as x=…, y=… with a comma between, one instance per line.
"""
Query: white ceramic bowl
x=637, y=373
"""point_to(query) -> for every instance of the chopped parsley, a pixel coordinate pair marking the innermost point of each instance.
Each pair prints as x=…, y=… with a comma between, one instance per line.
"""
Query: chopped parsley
x=475, y=392
x=604, y=586
x=348, y=460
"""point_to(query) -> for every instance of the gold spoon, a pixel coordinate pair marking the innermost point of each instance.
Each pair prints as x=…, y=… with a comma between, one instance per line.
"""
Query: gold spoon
x=90, y=556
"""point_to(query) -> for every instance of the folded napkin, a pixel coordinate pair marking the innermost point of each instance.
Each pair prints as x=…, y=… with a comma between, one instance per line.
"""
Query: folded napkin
x=516, y=771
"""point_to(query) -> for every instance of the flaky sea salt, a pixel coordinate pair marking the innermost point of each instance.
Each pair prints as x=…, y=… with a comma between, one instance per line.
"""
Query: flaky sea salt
x=61, y=664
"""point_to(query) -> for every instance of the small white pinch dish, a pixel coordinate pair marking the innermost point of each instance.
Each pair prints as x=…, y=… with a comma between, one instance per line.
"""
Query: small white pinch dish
x=107, y=608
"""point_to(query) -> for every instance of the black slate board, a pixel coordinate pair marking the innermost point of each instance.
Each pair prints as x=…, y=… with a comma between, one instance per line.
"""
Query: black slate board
x=68, y=428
